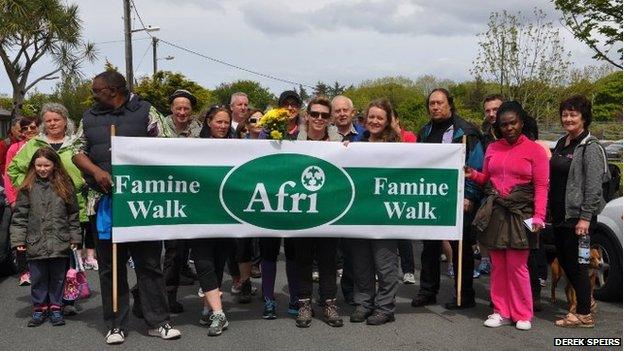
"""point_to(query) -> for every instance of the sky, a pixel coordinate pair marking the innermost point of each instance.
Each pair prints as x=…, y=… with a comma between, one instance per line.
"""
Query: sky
x=302, y=41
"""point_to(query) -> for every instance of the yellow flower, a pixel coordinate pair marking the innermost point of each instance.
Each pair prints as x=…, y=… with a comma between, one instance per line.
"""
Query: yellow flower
x=276, y=135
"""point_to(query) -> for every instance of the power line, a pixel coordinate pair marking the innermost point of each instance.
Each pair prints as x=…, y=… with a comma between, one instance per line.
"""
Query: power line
x=268, y=76
x=142, y=57
x=119, y=41
x=259, y=74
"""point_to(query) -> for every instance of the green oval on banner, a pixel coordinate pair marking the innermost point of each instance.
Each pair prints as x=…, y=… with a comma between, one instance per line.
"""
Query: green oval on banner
x=287, y=192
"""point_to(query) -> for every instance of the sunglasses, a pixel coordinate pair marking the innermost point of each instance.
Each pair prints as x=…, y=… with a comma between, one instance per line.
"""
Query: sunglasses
x=316, y=114
x=253, y=120
x=27, y=128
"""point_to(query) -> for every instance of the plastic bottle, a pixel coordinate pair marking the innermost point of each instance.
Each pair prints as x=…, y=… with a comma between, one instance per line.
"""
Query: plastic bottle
x=583, y=249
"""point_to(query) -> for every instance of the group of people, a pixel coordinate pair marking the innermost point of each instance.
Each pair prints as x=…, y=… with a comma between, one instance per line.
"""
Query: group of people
x=56, y=182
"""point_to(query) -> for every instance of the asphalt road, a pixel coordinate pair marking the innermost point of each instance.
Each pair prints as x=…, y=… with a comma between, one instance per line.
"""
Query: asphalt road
x=430, y=328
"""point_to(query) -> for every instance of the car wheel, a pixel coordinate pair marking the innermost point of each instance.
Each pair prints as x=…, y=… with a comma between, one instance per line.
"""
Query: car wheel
x=609, y=279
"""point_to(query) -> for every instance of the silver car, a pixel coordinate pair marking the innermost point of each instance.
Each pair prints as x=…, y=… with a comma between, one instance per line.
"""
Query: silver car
x=608, y=238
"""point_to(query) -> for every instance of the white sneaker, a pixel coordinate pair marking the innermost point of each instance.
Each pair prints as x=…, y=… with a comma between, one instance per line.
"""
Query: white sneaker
x=523, y=325
x=495, y=320
x=115, y=336
x=408, y=278
x=165, y=331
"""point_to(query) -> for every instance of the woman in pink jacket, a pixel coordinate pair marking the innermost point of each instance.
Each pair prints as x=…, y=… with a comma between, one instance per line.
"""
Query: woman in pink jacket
x=516, y=172
x=29, y=127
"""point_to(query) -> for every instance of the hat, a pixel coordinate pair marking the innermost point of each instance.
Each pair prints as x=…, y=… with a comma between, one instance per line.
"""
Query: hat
x=185, y=94
x=289, y=94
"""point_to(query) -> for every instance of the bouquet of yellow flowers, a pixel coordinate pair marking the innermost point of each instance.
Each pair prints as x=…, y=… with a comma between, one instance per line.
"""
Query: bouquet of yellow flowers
x=275, y=123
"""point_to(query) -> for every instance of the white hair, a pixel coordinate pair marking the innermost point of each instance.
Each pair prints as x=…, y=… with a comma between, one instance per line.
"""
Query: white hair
x=342, y=97
x=236, y=96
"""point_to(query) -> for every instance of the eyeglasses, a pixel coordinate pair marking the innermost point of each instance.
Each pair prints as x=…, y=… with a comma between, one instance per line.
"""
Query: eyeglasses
x=27, y=128
x=317, y=114
x=96, y=91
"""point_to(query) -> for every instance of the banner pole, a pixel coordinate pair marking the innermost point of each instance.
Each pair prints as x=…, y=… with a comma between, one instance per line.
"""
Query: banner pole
x=114, y=263
x=460, y=253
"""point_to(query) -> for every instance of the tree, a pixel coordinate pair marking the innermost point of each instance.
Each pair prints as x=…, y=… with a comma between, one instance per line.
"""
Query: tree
x=158, y=88
x=303, y=93
x=523, y=58
x=31, y=30
x=335, y=90
x=75, y=94
x=321, y=89
x=597, y=23
x=259, y=96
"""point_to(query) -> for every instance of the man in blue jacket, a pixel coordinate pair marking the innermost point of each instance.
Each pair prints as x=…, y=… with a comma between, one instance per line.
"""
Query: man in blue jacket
x=446, y=126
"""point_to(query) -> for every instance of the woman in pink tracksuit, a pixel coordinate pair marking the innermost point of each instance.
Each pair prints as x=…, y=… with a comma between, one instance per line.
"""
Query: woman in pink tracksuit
x=516, y=171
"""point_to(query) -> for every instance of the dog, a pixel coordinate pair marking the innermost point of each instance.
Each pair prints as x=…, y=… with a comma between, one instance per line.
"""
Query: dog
x=596, y=263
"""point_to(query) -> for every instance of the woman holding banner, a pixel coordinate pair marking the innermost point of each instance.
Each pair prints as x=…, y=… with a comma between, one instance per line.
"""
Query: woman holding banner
x=317, y=128
x=373, y=257
x=210, y=255
x=516, y=172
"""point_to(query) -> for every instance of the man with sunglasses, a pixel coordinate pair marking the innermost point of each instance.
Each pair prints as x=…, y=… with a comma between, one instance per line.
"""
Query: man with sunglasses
x=133, y=117
x=317, y=127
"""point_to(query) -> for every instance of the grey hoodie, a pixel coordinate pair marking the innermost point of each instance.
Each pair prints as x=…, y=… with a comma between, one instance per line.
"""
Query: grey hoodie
x=588, y=171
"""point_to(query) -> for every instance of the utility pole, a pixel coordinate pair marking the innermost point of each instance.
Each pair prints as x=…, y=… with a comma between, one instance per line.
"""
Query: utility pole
x=154, y=57
x=128, y=40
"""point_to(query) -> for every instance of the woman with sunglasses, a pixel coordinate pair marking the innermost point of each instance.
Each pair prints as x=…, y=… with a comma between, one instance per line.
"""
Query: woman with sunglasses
x=252, y=124
x=317, y=128
x=29, y=128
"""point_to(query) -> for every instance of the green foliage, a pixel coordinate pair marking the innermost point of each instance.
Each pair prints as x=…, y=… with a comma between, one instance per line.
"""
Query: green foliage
x=30, y=30
x=608, y=98
x=259, y=96
x=597, y=23
x=75, y=94
x=157, y=90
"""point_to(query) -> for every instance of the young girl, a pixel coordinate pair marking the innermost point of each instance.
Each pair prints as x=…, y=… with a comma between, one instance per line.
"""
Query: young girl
x=45, y=226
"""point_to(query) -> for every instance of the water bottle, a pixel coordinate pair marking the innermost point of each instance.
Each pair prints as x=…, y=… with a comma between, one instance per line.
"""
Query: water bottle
x=583, y=249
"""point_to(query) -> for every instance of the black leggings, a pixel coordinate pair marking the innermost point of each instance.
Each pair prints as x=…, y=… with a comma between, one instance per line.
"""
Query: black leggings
x=270, y=248
x=566, y=241
x=210, y=256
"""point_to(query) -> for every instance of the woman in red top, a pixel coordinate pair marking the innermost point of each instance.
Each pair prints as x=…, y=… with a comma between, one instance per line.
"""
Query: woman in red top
x=518, y=171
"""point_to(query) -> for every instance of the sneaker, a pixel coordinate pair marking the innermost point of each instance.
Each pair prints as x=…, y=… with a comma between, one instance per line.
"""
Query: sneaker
x=24, y=279
x=269, y=309
x=408, y=278
x=38, y=318
x=423, y=300
x=293, y=309
x=359, y=315
x=165, y=331
x=523, y=325
x=91, y=263
x=485, y=267
x=69, y=310
x=245, y=292
x=330, y=314
x=315, y=276
x=200, y=293
x=56, y=318
x=236, y=287
x=379, y=318
x=304, y=318
x=495, y=320
x=218, y=323
x=449, y=270
x=115, y=336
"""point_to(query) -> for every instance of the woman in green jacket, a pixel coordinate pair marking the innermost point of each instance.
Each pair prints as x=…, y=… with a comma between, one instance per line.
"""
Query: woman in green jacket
x=57, y=132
